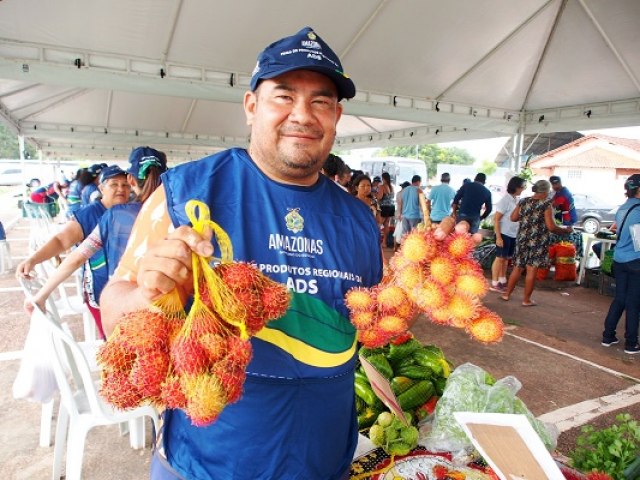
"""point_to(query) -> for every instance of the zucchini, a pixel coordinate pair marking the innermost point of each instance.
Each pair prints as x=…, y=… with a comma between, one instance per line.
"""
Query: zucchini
x=359, y=373
x=440, y=383
x=428, y=359
x=417, y=395
x=381, y=364
x=632, y=472
x=401, y=384
x=365, y=392
x=366, y=352
x=415, y=372
x=398, y=352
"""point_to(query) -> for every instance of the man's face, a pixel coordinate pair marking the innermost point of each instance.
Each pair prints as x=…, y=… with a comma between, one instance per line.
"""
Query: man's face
x=556, y=186
x=293, y=120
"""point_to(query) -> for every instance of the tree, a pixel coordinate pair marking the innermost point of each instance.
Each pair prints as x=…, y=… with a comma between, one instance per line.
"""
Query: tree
x=431, y=154
x=9, y=145
x=488, y=167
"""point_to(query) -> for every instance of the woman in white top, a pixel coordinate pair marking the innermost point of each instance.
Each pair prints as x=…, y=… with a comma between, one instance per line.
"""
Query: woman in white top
x=505, y=231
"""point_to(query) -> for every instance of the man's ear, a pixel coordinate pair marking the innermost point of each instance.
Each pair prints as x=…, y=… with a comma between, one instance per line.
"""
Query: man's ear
x=250, y=106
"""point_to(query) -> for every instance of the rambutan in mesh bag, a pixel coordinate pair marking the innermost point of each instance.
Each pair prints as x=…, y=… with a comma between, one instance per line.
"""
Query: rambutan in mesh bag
x=195, y=361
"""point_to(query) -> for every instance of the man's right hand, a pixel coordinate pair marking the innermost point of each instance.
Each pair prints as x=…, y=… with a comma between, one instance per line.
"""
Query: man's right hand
x=167, y=263
x=25, y=269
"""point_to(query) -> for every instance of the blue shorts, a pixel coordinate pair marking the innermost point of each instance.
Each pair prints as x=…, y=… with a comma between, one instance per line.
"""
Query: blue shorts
x=508, y=247
x=474, y=222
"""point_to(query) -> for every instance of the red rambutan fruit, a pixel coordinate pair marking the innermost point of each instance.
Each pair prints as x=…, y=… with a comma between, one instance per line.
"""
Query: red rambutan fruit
x=462, y=309
x=239, y=275
x=143, y=329
x=439, y=316
x=172, y=395
x=390, y=297
x=360, y=299
x=487, y=327
x=362, y=320
x=442, y=270
x=117, y=390
x=473, y=285
x=205, y=398
x=429, y=296
x=149, y=371
x=392, y=325
x=275, y=300
x=188, y=356
x=215, y=345
x=410, y=277
x=232, y=380
x=372, y=338
x=459, y=245
x=239, y=352
x=114, y=355
x=419, y=246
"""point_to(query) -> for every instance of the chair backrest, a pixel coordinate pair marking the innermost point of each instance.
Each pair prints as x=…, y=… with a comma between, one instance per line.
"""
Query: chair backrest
x=79, y=386
x=31, y=286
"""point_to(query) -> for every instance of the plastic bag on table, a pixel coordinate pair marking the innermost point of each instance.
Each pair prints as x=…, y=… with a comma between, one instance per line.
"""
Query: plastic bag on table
x=36, y=380
x=471, y=389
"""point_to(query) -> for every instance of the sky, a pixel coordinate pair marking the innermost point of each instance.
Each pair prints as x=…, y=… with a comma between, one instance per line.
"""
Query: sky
x=490, y=147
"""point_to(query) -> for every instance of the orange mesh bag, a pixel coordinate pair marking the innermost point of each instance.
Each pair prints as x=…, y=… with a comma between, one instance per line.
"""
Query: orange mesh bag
x=565, y=249
x=204, y=353
x=432, y=274
x=565, y=269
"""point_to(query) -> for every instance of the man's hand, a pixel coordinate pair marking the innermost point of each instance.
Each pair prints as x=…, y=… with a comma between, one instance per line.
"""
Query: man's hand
x=167, y=263
x=25, y=269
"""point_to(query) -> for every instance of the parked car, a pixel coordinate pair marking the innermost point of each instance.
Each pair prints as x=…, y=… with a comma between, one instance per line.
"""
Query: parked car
x=10, y=176
x=593, y=212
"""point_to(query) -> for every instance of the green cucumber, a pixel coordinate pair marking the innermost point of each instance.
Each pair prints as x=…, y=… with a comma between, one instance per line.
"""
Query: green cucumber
x=417, y=395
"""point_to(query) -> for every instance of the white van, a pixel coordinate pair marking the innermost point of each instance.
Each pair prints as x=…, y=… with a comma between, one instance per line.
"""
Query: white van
x=400, y=169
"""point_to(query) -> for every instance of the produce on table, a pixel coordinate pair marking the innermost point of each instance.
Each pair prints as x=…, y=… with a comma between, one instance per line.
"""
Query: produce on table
x=393, y=435
x=417, y=374
x=432, y=273
x=471, y=389
x=194, y=362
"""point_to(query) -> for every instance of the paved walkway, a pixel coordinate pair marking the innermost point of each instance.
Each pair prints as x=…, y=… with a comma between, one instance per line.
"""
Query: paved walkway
x=553, y=349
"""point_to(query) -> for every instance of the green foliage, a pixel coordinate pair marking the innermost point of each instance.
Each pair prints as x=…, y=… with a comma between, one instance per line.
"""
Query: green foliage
x=526, y=173
x=431, y=154
x=9, y=145
x=488, y=167
x=609, y=450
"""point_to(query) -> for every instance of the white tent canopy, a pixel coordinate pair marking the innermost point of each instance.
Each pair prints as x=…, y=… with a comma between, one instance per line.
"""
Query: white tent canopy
x=94, y=79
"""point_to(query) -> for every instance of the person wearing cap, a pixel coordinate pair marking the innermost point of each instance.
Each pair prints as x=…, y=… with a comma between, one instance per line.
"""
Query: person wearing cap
x=74, y=195
x=114, y=190
x=108, y=239
x=90, y=192
x=626, y=270
x=565, y=210
x=297, y=417
x=472, y=203
x=535, y=215
x=440, y=199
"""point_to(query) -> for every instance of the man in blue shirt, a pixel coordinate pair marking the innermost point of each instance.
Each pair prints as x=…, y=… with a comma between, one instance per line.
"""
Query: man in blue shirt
x=440, y=198
x=409, y=205
x=468, y=203
x=297, y=417
x=565, y=210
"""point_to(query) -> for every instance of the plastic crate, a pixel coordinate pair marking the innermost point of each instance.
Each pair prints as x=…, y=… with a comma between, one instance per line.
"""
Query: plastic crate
x=607, y=286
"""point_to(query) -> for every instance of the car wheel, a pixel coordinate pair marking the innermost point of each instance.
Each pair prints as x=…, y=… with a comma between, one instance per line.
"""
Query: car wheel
x=591, y=225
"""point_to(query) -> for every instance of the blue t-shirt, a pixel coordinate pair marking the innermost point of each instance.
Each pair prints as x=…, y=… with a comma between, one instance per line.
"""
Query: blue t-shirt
x=297, y=417
x=95, y=277
x=441, y=197
x=411, y=202
x=624, y=251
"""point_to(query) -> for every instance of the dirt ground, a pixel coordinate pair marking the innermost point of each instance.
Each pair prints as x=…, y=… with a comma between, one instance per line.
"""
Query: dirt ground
x=553, y=349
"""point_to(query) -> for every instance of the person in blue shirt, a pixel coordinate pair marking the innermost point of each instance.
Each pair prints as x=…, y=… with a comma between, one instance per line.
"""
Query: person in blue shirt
x=410, y=205
x=469, y=202
x=440, y=199
x=297, y=417
x=626, y=270
x=109, y=238
x=565, y=210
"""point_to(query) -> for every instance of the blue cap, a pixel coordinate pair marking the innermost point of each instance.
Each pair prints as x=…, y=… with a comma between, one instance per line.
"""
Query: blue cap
x=95, y=169
x=303, y=51
x=141, y=158
x=110, y=172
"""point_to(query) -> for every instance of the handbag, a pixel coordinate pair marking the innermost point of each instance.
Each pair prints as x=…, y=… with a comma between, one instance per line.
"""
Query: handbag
x=607, y=262
x=36, y=380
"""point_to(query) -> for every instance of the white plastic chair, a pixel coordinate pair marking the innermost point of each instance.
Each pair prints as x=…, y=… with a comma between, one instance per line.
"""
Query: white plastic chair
x=6, y=263
x=41, y=224
x=81, y=407
x=89, y=347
